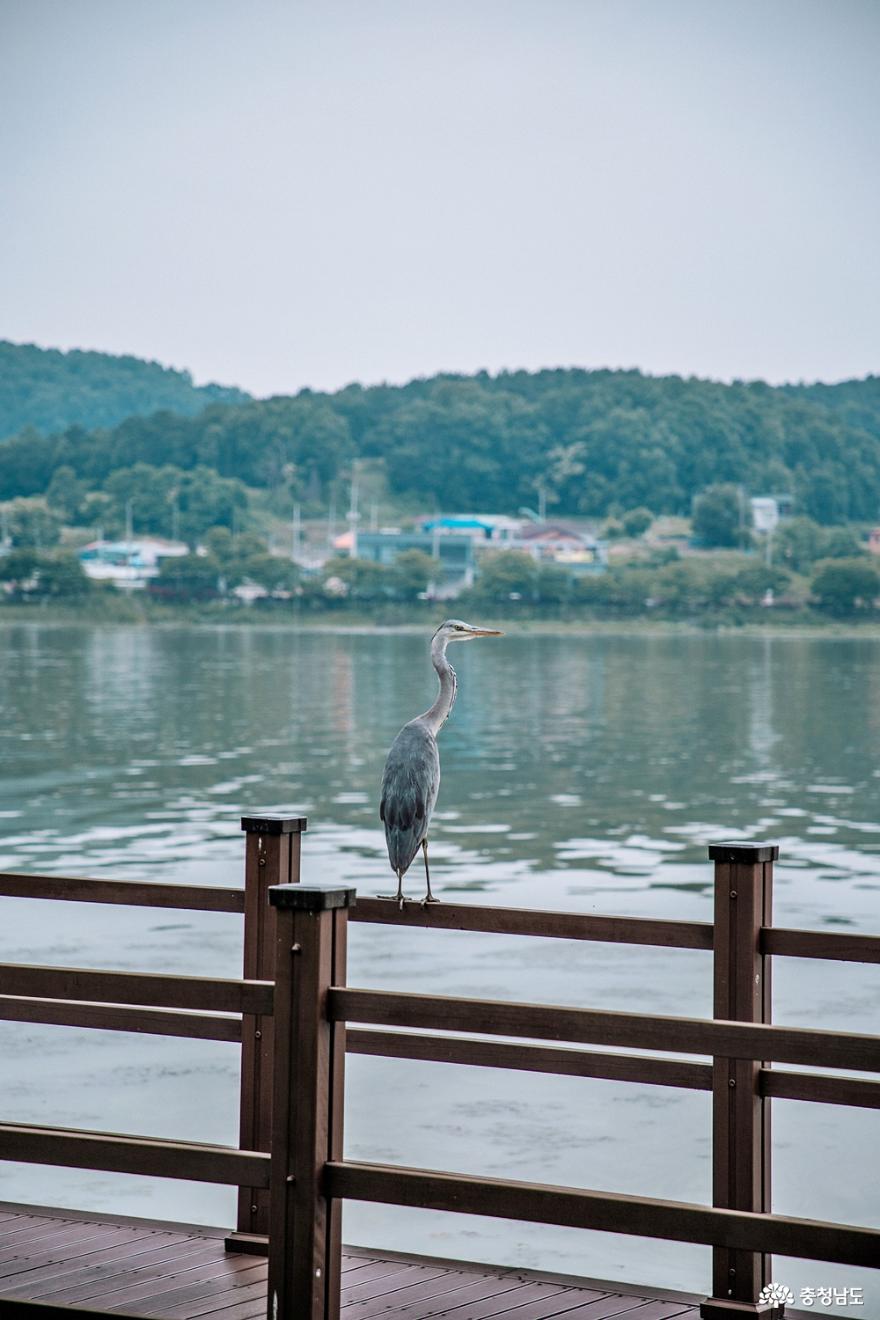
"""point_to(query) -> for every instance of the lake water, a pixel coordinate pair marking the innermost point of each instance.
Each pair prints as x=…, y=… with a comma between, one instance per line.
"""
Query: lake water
x=581, y=773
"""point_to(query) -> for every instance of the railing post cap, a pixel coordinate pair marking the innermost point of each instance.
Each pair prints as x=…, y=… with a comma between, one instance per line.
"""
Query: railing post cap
x=270, y=823
x=320, y=896
x=738, y=851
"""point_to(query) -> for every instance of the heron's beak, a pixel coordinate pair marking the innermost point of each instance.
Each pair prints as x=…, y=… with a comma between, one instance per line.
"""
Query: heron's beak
x=486, y=632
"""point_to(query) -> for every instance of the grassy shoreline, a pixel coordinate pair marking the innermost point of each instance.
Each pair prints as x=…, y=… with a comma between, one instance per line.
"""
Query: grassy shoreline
x=126, y=612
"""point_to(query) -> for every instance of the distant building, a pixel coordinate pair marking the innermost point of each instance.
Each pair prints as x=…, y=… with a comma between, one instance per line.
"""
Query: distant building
x=457, y=540
x=874, y=541
x=454, y=554
x=128, y=564
x=482, y=526
x=765, y=513
x=561, y=545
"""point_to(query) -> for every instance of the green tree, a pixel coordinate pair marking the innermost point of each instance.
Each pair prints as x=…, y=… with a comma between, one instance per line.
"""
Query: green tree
x=166, y=500
x=31, y=523
x=150, y=491
x=620, y=590
x=412, y=573
x=798, y=542
x=219, y=543
x=18, y=567
x=66, y=494
x=270, y=572
x=205, y=500
x=553, y=584
x=637, y=521
x=38, y=574
x=846, y=586
x=363, y=580
x=506, y=574
x=716, y=516
x=188, y=577
x=61, y=575
x=100, y=512
x=754, y=581
x=842, y=543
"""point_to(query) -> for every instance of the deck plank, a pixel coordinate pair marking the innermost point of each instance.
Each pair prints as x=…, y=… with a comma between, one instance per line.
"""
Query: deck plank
x=433, y=1287
x=133, y=1250
x=104, y=1265
x=388, y=1284
x=83, y=1286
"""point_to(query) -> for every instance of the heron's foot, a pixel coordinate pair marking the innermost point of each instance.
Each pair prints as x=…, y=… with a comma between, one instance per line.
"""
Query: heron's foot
x=395, y=898
x=429, y=898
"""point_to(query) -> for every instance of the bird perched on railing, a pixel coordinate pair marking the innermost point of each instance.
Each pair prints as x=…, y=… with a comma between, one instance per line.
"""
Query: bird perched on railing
x=412, y=770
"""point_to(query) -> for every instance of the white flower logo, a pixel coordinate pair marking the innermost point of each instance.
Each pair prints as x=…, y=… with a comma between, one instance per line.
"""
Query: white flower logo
x=776, y=1292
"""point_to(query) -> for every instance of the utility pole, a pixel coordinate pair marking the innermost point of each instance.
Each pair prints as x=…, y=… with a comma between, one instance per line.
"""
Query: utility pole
x=353, y=514
x=295, y=534
x=542, y=504
x=129, y=504
x=331, y=520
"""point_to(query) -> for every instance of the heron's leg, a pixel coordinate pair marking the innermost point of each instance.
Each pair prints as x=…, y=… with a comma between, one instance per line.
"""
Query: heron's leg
x=398, y=897
x=429, y=897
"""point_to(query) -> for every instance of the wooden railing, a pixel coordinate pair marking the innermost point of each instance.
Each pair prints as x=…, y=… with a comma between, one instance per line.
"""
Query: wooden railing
x=292, y=1010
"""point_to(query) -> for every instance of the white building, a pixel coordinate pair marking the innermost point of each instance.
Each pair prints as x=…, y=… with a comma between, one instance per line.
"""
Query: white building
x=128, y=564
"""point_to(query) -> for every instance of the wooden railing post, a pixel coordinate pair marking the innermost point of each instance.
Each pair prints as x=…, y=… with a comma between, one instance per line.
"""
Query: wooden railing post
x=740, y=1115
x=272, y=857
x=305, y=1243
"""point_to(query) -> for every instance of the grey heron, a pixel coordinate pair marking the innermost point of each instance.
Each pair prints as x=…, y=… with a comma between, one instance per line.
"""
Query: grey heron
x=412, y=770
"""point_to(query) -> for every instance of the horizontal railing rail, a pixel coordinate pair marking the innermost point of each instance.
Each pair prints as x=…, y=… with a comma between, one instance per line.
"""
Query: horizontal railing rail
x=129, y=893
x=736, y=1040
x=114, y=1152
x=477, y=918
x=678, y=1221
x=156, y=989
x=836, y=945
x=568, y=1062
x=121, y=1017
x=525, y=921
x=521, y=1057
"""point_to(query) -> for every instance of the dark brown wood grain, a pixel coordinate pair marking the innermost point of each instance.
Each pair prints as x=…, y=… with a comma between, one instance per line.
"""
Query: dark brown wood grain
x=531, y=1058
x=271, y=858
x=829, y=1049
x=304, y=1237
x=112, y=1017
x=583, y=1208
x=524, y=921
x=820, y=944
x=827, y=1090
x=130, y=893
x=740, y=1113
x=118, y=1153
x=158, y=990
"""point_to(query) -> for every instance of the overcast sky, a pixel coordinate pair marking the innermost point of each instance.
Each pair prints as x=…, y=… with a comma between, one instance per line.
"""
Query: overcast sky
x=278, y=194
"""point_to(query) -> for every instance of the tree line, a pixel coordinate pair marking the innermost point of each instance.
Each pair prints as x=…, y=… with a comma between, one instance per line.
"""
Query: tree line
x=510, y=583
x=50, y=390
x=591, y=443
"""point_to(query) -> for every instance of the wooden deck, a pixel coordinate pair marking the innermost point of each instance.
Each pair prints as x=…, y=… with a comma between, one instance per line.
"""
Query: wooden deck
x=93, y=1266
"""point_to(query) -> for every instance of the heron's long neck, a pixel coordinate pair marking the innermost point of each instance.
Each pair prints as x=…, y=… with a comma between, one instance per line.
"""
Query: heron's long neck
x=437, y=716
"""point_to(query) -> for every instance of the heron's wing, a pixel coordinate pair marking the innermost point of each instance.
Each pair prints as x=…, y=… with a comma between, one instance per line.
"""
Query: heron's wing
x=409, y=791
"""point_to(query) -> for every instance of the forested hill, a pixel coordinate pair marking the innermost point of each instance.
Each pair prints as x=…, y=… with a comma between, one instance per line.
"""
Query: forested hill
x=50, y=390
x=590, y=439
